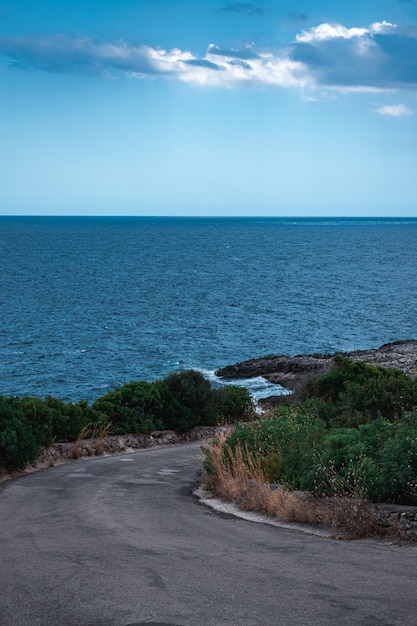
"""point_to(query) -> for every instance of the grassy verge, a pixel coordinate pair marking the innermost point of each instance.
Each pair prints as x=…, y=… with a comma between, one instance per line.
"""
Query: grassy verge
x=237, y=476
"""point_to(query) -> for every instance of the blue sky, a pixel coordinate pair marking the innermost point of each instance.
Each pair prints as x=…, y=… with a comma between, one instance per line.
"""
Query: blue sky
x=198, y=107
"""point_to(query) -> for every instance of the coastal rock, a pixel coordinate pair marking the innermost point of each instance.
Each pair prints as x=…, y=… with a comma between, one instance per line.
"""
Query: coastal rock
x=292, y=372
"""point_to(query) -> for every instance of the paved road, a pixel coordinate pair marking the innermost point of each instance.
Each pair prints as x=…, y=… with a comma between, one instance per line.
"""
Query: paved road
x=121, y=541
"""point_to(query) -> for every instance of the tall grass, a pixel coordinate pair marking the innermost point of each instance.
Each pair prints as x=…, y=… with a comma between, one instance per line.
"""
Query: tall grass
x=95, y=436
x=237, y=476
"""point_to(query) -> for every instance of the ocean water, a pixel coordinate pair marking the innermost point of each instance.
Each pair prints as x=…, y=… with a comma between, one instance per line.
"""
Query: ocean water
x=87, y=304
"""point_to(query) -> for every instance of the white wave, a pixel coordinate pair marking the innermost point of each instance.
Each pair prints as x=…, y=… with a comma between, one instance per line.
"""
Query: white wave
x=258, y=386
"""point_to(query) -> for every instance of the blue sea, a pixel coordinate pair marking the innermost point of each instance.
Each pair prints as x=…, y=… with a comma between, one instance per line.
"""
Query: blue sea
x=88, y=304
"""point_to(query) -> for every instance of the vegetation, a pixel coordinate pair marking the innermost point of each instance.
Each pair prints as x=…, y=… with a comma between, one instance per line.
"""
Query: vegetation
x=355, y=393
x=353, y=434
x=237, y=475
x=26, y=424
x=179, y=402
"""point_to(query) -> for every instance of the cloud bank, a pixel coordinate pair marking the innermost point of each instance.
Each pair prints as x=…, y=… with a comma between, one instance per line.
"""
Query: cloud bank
x=379, y=57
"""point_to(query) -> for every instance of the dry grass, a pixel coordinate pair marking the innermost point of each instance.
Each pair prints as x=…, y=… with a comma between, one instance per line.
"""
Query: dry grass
x=241, y=480
x=91, y=440
x=99, y=438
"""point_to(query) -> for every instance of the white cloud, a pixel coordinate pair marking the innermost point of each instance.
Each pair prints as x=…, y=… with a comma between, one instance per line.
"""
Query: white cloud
x=395, y=110
x=330, y=57
x=227, y=70
x=381, y=27
x=79, y=55
x=379, y=57
x=266, y=68
x=325, y=32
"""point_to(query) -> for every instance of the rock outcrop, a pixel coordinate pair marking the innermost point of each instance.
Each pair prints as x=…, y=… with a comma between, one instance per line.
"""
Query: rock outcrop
x=292, y=372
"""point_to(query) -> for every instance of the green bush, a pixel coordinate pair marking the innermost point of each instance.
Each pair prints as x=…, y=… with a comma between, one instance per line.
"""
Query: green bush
x=233, y=404
x=135, y=407
x=53, y=420
x=375, y=461
x=355, y=393
x=396, y=479
x=354, y=433
x=27, y=424
x=17, y=441
x=179, y=402
x=285, y=444
x=348, y=460
x=188, y=401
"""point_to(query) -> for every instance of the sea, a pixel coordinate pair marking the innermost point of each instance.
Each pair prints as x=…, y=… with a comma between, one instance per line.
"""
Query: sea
x=90, y=303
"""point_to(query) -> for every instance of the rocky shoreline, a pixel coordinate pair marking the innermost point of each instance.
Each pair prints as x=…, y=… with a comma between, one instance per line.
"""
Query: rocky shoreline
x=292, y=372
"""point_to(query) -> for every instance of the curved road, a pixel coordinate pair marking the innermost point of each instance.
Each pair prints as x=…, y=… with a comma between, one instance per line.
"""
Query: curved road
x=120, y=540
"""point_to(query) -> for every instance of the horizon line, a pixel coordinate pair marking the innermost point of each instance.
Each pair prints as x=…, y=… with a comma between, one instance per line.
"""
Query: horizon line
x=181, y=216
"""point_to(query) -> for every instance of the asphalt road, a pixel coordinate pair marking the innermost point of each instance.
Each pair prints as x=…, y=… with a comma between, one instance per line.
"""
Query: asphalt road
x=122, y=541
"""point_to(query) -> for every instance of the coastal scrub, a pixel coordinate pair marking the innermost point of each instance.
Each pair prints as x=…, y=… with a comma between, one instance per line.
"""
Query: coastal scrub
x=182, y=401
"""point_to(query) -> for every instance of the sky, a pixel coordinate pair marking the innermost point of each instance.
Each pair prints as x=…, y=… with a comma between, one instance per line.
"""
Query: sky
x=208, y=107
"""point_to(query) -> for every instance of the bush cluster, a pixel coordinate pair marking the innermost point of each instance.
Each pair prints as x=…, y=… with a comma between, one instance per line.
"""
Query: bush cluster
x=26, y=424
x=353, y=434
x=180, y=402
x=355, y=393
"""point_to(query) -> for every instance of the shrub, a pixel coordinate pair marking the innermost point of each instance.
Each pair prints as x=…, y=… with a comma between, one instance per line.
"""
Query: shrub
x=348, y=460
x=233, y=404
x=375, y=461
x=180, y=402
x=237, y=476
x=26, y=424
x=135, y=407
x=355, y=393
x=285, y=444
x=396, y=479
x=53, y=420
x=188, y=400
x=17, y=441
